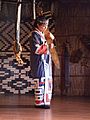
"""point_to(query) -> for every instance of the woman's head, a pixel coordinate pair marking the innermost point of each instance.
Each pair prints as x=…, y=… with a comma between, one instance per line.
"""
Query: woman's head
x=41, y=23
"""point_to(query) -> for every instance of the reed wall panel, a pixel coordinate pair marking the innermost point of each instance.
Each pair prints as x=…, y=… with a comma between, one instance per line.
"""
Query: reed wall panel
x=73, y=22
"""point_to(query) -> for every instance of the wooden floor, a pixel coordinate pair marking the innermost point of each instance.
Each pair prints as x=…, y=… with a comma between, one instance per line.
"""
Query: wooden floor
x=62, y=108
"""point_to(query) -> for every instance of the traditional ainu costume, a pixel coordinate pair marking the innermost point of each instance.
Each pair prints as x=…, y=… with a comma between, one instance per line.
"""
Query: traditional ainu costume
x=41, y=68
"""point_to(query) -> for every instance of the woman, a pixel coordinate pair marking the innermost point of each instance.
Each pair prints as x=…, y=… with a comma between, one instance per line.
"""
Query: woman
x=41, y=64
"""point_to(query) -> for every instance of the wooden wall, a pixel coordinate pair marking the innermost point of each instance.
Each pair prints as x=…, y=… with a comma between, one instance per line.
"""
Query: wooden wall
x=72, y=22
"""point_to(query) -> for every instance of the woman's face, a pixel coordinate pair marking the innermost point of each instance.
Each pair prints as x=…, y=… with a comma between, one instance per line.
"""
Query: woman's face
x=43, y=27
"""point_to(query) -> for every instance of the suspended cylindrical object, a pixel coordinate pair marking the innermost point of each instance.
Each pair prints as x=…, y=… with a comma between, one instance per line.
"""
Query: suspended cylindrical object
x=34, y=10
x=18, y=14
x=17, y=46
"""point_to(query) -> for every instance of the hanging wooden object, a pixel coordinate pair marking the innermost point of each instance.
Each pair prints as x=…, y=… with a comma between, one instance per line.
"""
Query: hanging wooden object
x=34, y=10
x=17, y=46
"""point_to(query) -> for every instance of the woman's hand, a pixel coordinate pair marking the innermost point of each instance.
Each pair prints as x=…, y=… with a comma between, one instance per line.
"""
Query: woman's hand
x=41, y=49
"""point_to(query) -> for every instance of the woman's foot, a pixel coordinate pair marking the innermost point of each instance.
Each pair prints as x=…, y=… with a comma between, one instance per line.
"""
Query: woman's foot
x=43, y=106
x=47, y=106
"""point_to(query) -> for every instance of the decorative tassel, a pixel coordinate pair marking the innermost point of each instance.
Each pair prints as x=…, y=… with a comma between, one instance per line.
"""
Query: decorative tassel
x=18, y=53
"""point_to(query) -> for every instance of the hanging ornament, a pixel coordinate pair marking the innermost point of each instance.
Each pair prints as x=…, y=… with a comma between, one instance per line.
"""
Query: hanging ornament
x=34, y=10
x=17, y=46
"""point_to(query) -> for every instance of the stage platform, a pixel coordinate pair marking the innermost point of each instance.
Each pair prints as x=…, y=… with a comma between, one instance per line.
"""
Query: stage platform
x=21, y=107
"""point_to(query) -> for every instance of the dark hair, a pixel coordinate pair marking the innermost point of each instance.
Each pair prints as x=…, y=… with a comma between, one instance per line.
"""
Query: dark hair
x=40, y=20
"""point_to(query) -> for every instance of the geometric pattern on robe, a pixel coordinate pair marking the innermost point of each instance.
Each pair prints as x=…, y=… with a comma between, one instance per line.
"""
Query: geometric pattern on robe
x=41, y=70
